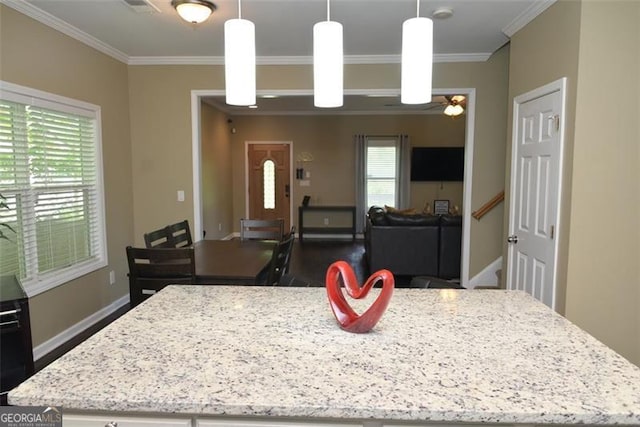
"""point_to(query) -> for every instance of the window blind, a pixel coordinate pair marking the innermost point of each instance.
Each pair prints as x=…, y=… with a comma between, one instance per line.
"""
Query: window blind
x=50, y=174
x=382, y=167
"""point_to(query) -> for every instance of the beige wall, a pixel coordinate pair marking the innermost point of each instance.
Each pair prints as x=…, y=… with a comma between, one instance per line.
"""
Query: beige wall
x=603, y=274
x=217, y=189
x=542, y=52
x=598, y=273
x=161, y=136
x=36, y=56
x=329, y=139
x=147, y=154
x=491, y=82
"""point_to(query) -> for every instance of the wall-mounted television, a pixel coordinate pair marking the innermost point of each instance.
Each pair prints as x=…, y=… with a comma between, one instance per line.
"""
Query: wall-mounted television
x=437, y=164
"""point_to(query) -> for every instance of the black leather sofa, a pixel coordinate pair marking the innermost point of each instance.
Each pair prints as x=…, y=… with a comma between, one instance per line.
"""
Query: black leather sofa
x=413, y=245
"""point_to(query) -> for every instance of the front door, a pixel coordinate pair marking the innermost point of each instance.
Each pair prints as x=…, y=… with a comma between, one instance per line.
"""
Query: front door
x=535, y=191
x=269, y=182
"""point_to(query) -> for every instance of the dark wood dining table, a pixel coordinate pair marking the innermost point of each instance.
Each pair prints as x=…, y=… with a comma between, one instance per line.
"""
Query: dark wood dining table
x=232, y=262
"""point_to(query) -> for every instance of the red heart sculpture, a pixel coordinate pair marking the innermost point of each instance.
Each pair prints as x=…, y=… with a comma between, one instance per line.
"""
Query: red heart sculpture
x=348, y=319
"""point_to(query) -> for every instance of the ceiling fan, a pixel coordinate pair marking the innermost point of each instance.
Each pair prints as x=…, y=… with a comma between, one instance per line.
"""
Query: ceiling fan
x=455, y=105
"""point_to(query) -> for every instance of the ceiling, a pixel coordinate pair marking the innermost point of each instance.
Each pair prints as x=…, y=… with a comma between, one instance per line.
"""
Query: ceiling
x=372, y=31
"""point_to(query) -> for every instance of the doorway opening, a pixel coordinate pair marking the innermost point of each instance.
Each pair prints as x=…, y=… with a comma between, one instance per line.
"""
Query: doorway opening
x=197, y=97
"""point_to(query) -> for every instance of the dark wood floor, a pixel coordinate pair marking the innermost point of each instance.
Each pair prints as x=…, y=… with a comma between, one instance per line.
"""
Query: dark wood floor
x=311, y=258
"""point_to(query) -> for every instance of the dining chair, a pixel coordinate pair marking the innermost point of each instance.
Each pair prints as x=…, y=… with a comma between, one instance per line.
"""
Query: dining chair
x=280, y=259
x=180, y=234
x=259, y=229
x=150, y=270
x=158, y=239
x=291, y=232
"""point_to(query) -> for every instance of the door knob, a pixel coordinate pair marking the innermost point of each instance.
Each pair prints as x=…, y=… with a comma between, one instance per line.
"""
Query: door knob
x=512, y=239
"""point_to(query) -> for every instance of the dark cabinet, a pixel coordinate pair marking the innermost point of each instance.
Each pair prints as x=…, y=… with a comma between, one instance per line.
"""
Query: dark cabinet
x=16, y=349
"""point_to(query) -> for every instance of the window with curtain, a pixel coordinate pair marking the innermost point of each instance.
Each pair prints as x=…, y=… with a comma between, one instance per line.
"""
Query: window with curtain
x=51, y=181
x=382, y=172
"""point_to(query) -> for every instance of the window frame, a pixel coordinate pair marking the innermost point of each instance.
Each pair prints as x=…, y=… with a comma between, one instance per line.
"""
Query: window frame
x=382, y=142
x=48, y=280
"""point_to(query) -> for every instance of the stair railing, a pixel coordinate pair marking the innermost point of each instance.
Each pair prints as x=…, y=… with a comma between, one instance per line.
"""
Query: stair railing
x=495, y=201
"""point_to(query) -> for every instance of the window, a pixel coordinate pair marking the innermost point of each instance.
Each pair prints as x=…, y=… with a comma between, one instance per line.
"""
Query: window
x=51, y=178
x=382, y=172
x=269, y=184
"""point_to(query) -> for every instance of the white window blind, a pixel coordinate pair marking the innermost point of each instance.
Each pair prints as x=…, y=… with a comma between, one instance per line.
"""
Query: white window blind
x=382, y=172
x=51, y=177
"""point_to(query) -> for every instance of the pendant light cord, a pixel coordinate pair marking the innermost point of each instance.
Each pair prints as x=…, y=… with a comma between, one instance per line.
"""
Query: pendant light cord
x=239, y=9
x=418, y=8
x=328, y=10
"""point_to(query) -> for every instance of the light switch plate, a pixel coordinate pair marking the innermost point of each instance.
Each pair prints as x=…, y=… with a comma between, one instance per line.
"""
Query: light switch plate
x=181, y=195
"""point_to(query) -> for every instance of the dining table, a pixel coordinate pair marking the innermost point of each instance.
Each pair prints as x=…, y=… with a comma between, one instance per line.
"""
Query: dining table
x=232, y=262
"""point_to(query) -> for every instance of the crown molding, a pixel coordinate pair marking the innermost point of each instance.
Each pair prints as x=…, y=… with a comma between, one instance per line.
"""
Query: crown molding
x=527, y=16
x=300, y=60
x=57, y=24
x=73, y=32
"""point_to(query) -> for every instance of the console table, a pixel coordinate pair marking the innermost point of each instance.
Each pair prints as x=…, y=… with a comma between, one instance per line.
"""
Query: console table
x=326, y=230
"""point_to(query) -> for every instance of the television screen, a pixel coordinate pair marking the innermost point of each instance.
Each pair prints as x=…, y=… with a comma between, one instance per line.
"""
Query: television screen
x=437, y=164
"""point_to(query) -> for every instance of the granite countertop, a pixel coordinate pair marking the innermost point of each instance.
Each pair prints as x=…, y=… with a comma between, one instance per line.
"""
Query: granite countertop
x=438, y=355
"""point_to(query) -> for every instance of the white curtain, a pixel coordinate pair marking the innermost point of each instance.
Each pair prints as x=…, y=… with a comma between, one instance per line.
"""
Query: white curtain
x=360, y=145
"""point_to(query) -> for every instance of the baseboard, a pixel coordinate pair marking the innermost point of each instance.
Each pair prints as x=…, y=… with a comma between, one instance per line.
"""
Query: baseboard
x=64, y=336
x=487, y=277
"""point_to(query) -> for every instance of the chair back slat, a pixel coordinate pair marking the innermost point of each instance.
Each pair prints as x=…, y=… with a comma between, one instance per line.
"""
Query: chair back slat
x=151, y=269
x=180, y=234
x=158, y=239
x=258, y=229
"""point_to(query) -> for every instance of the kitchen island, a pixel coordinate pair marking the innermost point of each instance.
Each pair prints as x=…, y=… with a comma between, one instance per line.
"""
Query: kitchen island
x=210, y=354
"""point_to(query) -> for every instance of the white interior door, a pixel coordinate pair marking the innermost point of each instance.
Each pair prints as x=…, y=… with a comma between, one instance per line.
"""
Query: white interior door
x=535, y=192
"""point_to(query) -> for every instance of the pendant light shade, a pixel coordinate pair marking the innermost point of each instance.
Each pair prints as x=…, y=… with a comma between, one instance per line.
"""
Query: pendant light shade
x=240, y=62
x=327, y=65
x=417, y=61
x=194, y=11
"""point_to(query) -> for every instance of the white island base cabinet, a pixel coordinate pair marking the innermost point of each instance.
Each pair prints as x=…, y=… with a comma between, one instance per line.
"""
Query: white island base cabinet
x=265, y=423
x=304, y=423
x=121, y=421
x=72, y=420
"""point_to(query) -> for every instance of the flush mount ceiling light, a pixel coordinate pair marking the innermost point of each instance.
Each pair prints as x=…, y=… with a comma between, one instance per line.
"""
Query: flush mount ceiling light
x=417, y=59
x=240, y=60
x=327, y=63
x=442, y=13
x=194, y=11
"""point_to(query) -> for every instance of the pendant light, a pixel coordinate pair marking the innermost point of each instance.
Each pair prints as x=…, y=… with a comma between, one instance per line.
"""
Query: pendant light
x=240, y=60
x=194, y=11
x=417, y=59
x=327, y=63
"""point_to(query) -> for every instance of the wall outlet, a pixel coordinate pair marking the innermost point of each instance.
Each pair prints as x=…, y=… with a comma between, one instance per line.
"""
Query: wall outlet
x=220, y=226
x=112, y=277
x=326, y=221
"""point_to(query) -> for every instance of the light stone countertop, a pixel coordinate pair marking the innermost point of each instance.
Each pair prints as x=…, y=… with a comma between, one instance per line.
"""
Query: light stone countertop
x=436, y=355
